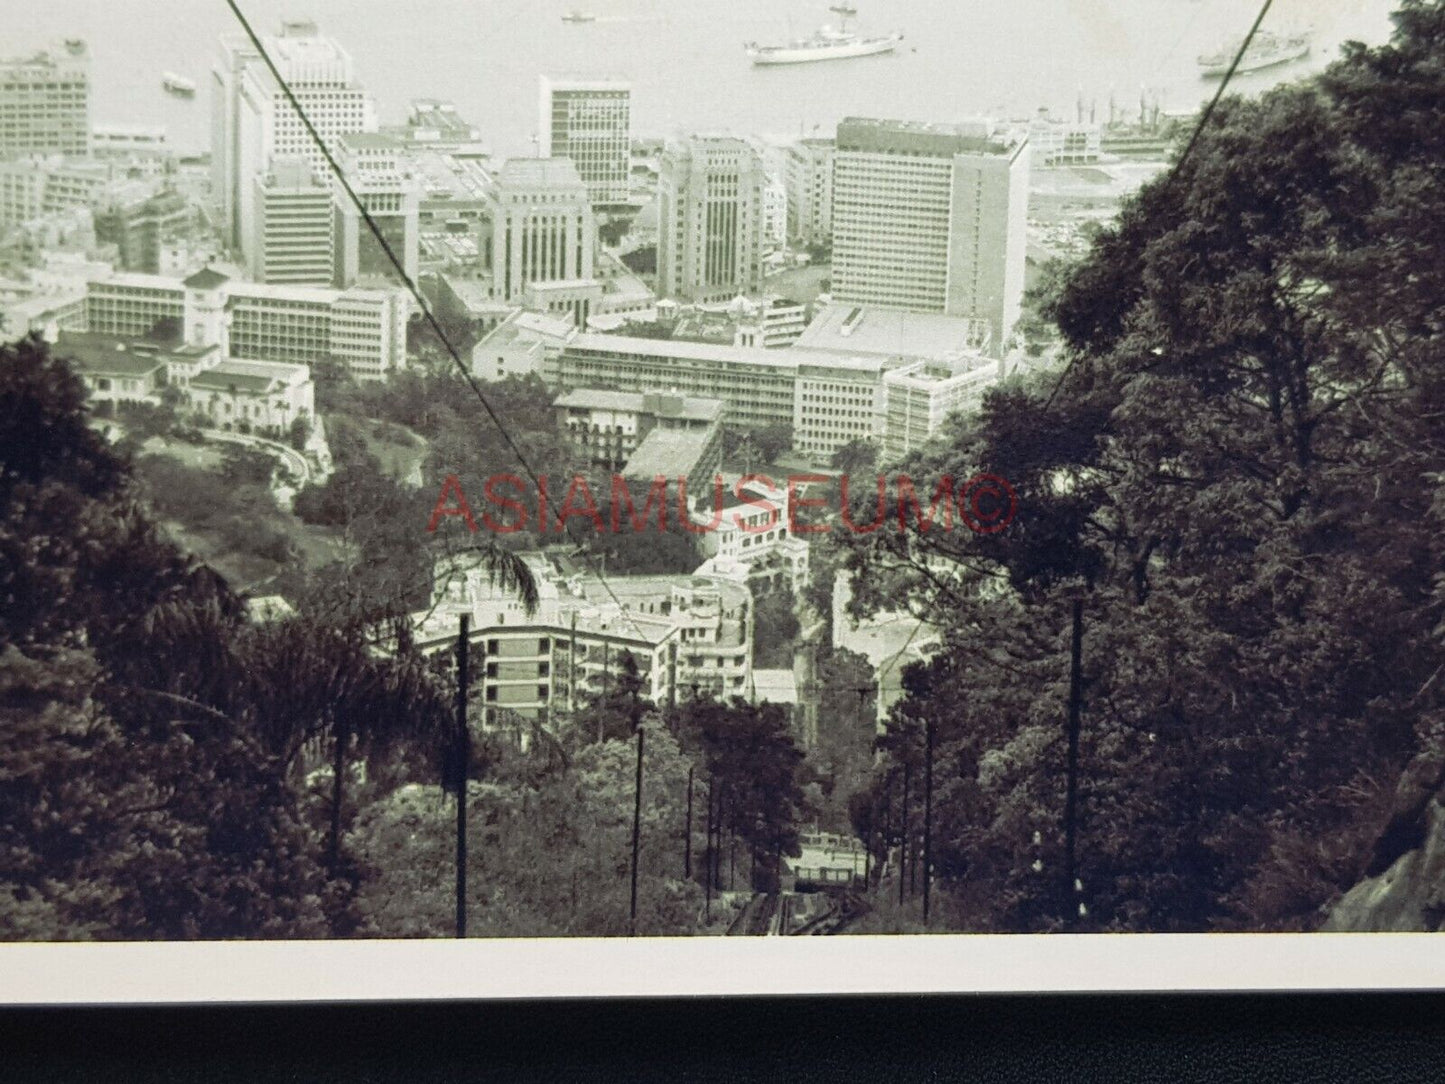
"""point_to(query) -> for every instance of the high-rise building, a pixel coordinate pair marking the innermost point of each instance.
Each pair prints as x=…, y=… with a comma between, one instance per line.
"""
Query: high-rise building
x=808, y=173
x=590, y=122
x=255, y=122
x=376, y=169
x=293, y=240
x=543, y=233
x=710, y=219
x=931, y=218
x=45, y=102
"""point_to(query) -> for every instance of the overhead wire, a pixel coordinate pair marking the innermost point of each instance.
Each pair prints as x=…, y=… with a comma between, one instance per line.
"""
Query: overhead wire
x=406, y=280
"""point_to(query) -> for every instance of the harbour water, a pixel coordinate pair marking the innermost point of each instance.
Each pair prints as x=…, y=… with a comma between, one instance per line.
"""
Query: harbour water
x=685, y=58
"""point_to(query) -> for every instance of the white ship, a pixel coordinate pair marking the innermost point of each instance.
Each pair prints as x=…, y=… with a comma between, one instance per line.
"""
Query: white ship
x=575, y=16
x=1265, y=51
x=827, y=43
x=178, y=84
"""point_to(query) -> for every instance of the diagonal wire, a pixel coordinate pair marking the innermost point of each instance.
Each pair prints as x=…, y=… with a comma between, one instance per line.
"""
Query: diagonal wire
x=407, y=281
x=1188, y=150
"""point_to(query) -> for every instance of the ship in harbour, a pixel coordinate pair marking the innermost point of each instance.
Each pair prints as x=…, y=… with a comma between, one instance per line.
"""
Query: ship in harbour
x=178, y=85
x=1265, y=51
x=827, y=43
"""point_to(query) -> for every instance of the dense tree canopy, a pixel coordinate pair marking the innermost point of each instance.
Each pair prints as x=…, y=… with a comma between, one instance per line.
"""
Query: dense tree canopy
x=1238, y=473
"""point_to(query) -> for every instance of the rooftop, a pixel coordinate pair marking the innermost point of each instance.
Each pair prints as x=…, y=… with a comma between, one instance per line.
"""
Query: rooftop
x=540, y=173
x=105, y=354
x=775, y=686
x=979, y=136
x=659, y=404
x=205, y=279
x=684, y=351
x=669, y=453
x=860, y=329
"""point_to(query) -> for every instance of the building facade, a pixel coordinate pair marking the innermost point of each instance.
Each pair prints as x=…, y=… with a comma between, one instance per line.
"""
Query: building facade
x=542, y=227
x=682, y=631
x=590, y=122
x=931, y=218
x=294, y=239
x=711, y=225
x=378, y=172
x=362, y=328
x=257, y=124
x=45, y=102
x=808, y=174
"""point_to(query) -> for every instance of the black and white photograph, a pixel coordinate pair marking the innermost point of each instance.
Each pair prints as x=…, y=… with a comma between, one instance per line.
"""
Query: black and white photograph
x=521, y=470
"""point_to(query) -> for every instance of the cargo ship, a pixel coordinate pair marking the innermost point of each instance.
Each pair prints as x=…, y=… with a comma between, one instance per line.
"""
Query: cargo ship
x=579, y=17
x=827, y=43
x=1266, y=50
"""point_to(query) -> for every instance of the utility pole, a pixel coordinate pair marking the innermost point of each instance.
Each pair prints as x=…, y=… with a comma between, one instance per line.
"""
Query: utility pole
x=463, y=759
x=707, y=857
x=687, y=835
x=1071, y=798
x=927, y=814
x=636, y=827
x=903, y=868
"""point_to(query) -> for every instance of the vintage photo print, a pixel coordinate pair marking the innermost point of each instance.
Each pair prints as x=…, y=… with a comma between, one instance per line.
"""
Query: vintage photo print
x=528, y=498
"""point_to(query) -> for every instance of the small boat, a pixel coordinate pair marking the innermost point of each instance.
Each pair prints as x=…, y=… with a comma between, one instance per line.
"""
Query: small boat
x=178, y=85
x=846, y=10
x=575, y=16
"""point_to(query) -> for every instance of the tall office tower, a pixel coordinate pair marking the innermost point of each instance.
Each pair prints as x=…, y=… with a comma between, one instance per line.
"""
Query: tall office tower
x=45, y=102
x=931, y=218
x=590, y=122
x=542, y=229
x=808, y=173
x=294, y=235
x=258, y=123
x=375, y=167
x=710, y=219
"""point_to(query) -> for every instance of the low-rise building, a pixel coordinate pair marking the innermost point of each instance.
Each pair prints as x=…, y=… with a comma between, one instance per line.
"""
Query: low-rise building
x=212, y=391
x=749, y=539
x=609, y=427
x=919, y=397
x=523, y=344
x=684, y=632
x=363, y=327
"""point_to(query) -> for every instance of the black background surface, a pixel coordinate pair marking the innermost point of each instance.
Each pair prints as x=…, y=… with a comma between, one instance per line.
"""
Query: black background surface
x=1278, y=1038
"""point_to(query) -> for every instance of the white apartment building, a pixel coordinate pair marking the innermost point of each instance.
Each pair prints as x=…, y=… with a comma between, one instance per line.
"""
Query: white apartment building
x=45, y=101
x=590, y=122
x=681, y=630
x=808, y=173
x=293, y=241
x=931, y=218
x=918, y=398
x=838, y=400
x=364, y=328
x=751, y=543
x=710, y=226
x=254, y=122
